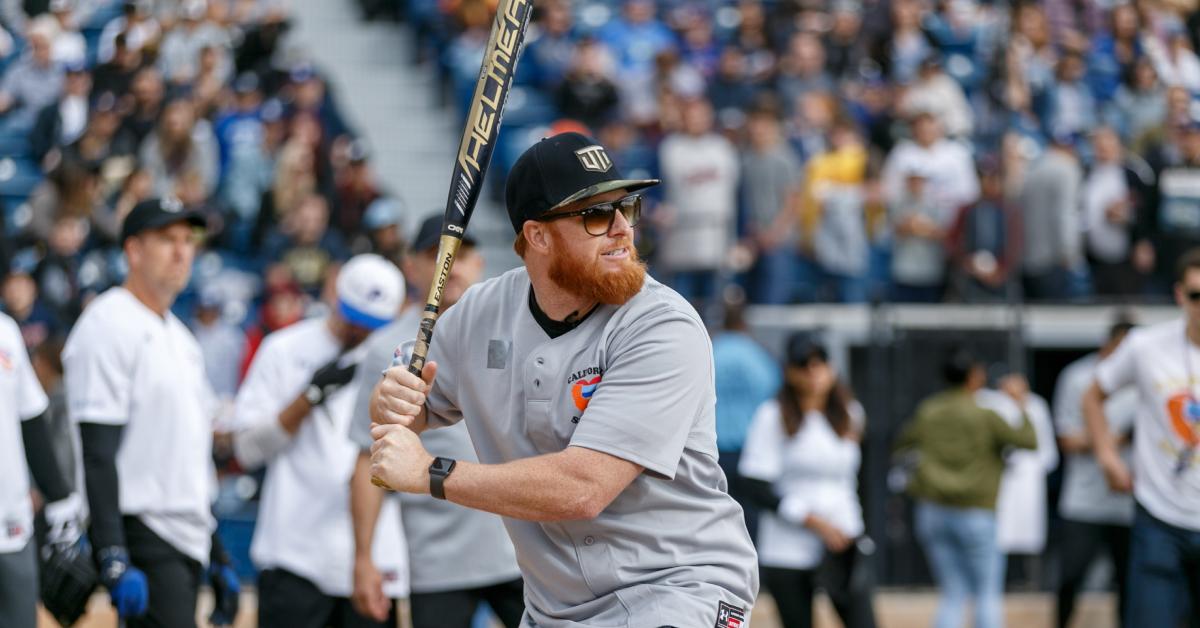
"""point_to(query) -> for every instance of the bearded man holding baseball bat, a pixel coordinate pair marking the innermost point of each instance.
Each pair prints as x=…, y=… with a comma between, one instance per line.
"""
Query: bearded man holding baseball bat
x=587, y=388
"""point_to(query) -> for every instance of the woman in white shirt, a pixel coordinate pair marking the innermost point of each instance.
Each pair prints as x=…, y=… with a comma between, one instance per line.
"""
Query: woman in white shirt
x=800, y=463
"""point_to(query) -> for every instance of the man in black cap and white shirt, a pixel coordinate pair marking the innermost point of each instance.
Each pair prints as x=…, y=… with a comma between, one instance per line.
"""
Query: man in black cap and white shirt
x=135, y=383
x=458, y=557
x=588, y=392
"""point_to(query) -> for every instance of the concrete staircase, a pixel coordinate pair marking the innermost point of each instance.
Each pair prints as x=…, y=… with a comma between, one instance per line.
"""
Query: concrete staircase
x=395, y=105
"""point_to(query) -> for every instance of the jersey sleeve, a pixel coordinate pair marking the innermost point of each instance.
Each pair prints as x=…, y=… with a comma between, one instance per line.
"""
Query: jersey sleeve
x=657, y=382
x=762, y=456
x=98, y=366
x=31, y=399
x=1119, y=369
x=440, y=404
x=257, y=434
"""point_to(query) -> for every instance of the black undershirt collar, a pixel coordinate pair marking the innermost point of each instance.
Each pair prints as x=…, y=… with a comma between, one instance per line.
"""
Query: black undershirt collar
x=554, y=328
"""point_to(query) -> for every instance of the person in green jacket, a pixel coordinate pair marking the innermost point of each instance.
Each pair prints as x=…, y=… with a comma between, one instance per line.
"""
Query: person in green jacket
x=959, y=450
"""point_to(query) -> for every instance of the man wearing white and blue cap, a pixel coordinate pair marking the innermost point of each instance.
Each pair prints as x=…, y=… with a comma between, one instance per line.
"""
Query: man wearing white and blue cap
x=292, y=416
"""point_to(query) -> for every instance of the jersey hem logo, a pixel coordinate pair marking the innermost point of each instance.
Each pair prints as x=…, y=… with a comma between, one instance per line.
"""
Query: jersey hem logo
x=730, y=616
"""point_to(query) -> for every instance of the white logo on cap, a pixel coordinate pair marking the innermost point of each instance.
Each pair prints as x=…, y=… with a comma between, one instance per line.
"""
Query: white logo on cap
x=170, y=204
x=594, y=158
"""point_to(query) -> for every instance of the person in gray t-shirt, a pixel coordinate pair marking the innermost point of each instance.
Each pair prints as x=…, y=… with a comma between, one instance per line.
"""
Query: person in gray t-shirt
x=457, y=557
x=587, y=388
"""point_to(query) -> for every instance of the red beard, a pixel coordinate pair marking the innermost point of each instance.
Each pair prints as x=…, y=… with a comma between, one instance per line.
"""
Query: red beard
x=586, y=278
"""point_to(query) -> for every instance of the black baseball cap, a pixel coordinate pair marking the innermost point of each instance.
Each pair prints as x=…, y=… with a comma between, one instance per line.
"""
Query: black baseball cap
x=430, y=233
x=158, y=212
x=804, y=347
x=558, y=170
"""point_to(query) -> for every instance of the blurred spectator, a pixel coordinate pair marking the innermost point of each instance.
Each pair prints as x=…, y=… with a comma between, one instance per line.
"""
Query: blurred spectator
x=295, y=178
x=1174, y=60
x=181, y=145
x=261, y=40
x=588, y=93
x=1139, y=106
x=1066, y=106
x=209, y=87
x=47, y=365
x=845, y=46
x=179, y=54
x=70, y=190
x=144, y=103
x=1158, y=361
x=30, y=84
x=382, y=224
x=698, y=47
x=834, y=237
x=959, y=450
x=221, y=342
x=918, y=241
x=698, y=213
x=934, y=92
x=19, y=297
x=1116, y=192
x=753, y=39
x=1095, y=518
x=635, y=38
x=308, y=96
x=802, y=69
x=116, y=74
x=770, y=180
x=283, y=304
x=1115, y=53
x=136, y=23
x=952, y=182
x=731, y=90
x=983, y=240
x=254, y=141
x=905, y=45
x=305, y=245
x=69, y=45
x=746, y=377
x=1172, y=225
x=57, y=273
x=355, y=190
x=802, y=458
x=1052, y=240
x=61, y=123
x=1021, y=518
x=550, y=50
x=239, y=127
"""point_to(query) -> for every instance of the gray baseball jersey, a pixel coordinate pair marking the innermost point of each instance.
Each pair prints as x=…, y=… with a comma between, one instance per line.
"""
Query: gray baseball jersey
x=636, y=382
x=450, y=547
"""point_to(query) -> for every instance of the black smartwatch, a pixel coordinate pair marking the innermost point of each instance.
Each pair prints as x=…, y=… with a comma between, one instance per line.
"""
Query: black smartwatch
x=438, y=472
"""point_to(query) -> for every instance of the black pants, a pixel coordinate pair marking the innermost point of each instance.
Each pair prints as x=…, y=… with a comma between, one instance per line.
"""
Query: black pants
x=455, y=609
x=1081, y=544
x=286, y=600
x=172, y=576
x=794, y=589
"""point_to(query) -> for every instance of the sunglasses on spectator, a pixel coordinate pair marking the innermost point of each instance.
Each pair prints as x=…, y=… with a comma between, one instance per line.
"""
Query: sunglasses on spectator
x=598, y=219
x=1192, y=296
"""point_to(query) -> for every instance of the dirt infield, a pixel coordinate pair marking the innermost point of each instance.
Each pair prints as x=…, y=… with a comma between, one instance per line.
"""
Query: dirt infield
x=895, y=609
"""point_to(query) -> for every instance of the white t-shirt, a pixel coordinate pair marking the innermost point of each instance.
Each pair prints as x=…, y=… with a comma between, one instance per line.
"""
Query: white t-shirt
x=1085, y=493
x=1166, y=463
x=304, y=523
x=814, y=472
x=22, y=399
x=1021, y=518
x=700, y=176
x=125, y=365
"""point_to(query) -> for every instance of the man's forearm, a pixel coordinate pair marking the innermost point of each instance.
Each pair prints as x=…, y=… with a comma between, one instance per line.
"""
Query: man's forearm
x=293, y=415
x=1097, y=423
x=554, y=487
x=366, y=500
x=100, y=444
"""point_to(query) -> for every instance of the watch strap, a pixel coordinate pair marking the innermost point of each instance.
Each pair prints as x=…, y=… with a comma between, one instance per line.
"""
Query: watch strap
x=439, y=470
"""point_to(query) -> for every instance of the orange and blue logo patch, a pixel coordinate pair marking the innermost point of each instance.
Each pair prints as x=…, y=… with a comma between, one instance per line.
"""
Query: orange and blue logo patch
x=1185, y=419
x=582, y=391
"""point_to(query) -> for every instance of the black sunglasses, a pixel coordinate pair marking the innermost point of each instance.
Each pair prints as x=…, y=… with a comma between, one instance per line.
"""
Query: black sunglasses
x=598, y=219
x=1192, y=295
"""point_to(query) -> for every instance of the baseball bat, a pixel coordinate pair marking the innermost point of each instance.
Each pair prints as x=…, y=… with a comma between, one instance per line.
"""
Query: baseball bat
x=474, y=154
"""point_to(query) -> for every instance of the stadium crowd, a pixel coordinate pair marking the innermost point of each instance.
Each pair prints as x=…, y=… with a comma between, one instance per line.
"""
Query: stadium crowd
x=857, y=150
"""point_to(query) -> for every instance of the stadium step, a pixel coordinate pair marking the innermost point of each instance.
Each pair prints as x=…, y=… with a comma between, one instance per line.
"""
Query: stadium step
x=396, y=106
